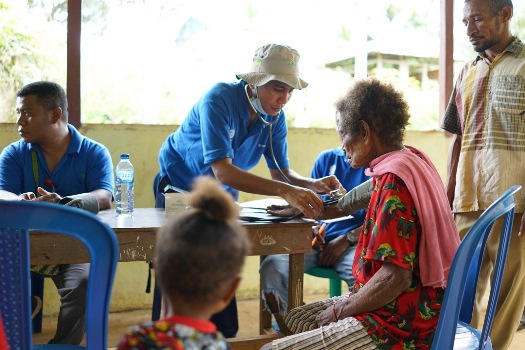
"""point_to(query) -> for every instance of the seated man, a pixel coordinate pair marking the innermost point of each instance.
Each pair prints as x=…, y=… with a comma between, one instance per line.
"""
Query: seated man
x=338, y=248
x=53, y=160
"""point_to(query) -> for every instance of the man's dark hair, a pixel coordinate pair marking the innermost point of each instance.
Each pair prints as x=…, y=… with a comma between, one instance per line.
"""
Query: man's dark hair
x=50, y=95
x=496, y=5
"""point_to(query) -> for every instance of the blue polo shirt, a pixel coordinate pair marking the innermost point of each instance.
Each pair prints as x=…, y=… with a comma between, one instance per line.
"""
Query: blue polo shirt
x=86, y=166
x=334, y=162
x=216, y=128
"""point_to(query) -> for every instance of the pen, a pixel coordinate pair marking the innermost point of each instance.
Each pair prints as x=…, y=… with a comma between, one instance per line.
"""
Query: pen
x=320, y=234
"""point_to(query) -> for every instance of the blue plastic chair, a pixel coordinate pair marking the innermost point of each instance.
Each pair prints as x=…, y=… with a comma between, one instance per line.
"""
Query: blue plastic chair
x=453, y=329
x=3, y=339
x=16, y=219
x=334, y=279
x=37, y=290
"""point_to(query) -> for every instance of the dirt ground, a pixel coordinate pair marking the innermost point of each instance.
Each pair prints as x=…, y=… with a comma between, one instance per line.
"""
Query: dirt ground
x=248, y=320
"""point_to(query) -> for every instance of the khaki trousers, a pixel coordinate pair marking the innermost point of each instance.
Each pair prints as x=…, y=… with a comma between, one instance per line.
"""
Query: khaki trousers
x=511, y=299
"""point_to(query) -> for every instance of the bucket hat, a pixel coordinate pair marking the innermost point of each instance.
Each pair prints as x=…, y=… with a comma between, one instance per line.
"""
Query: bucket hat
x=274, y=62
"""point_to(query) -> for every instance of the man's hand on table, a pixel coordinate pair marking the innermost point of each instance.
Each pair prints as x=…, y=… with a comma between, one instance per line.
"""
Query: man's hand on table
x=45, y=196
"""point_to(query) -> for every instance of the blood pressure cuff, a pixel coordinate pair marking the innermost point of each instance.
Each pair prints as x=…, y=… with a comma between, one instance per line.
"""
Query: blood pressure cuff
x=85, y=201
x=356, y=199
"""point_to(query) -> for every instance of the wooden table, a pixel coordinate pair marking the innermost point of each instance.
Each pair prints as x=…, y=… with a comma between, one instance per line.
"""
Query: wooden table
x=137, y=236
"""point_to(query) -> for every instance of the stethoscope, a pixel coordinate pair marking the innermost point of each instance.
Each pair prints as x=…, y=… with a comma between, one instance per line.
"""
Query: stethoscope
x=334, y=194
x=269, y=125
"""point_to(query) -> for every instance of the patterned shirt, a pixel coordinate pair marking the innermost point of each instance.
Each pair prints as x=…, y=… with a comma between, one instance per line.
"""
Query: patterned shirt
x=391, y=232
x=174, y=333
x=487, y=108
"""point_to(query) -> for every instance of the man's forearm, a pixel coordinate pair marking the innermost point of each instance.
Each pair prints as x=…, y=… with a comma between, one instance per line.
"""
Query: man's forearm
x=241, y=180
x=86, y=201
x=294, y=177
x=103, y=198
x=452, y=167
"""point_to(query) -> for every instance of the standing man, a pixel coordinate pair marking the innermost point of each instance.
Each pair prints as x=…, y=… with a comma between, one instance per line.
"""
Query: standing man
x=227, y=132
x=53, y=160
x=337, y=250
x=487, y=115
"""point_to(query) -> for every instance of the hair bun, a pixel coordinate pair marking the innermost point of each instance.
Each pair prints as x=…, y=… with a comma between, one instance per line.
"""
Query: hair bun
x=212, y=200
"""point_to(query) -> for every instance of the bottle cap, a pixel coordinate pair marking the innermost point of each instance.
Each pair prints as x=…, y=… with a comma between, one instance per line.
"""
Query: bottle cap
x=124, y=156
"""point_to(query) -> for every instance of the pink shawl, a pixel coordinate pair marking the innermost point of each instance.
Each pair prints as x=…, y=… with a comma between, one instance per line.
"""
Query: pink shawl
x=439, y=237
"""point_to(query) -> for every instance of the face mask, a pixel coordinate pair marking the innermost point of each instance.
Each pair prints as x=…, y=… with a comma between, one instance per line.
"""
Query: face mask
x=255, y=101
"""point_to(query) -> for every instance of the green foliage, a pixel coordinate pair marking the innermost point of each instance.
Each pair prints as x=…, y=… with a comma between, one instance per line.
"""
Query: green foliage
x=415, y=20
x=143, y=73
x=18, y=57
x=345, y=34
x=93, y=11
x=518, y=24
x=33, y=44
x=16, y=51
x=392, y=11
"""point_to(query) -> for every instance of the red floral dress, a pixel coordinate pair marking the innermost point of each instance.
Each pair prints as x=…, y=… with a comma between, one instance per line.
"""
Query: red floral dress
x=391, y=232
x=174, y=333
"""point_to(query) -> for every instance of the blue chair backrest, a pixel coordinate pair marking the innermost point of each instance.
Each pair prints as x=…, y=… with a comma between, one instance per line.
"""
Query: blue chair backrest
x=3, y=340
x=460, y=293
x=16, y=219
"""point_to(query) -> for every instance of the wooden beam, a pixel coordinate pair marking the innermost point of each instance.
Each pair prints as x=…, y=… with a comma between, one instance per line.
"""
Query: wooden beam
x=252, y=343
x=74, y=20
x=446, y=54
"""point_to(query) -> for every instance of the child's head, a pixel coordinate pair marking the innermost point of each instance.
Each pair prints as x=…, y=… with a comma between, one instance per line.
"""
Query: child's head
x=200, y=253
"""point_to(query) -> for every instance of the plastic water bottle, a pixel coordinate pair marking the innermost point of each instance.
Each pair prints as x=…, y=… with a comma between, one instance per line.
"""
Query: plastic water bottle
x=125, y=179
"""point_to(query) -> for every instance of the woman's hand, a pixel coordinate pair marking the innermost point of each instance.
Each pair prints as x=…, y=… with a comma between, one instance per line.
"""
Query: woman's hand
x=282, y=210
x=327, y=316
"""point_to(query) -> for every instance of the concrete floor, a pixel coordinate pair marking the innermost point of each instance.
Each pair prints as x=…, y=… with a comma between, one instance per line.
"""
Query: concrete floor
x=248, y=320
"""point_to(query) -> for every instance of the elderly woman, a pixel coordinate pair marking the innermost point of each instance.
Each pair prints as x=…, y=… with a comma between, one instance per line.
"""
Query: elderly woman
x=406, y=244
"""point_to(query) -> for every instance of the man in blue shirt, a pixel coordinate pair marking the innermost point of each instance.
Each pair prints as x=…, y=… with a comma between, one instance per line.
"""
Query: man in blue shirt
x=53, y=160
x=227, y=132
x=338, y=248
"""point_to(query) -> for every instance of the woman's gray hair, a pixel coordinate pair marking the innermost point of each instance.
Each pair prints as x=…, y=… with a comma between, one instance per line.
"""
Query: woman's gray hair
x=379, y=104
